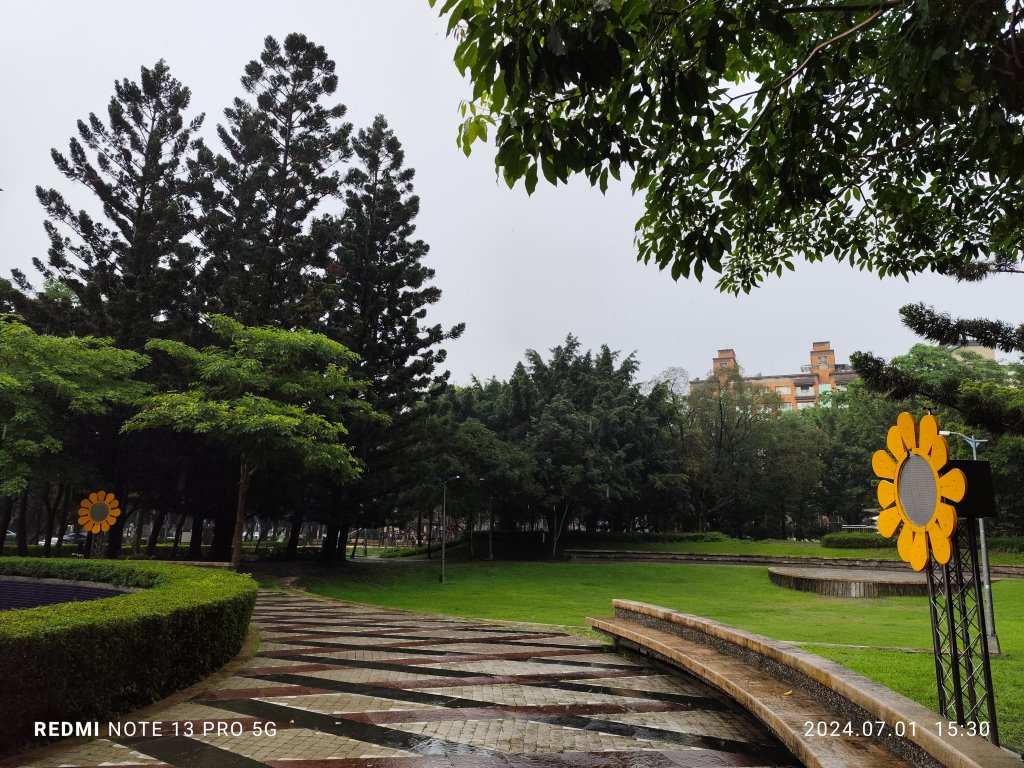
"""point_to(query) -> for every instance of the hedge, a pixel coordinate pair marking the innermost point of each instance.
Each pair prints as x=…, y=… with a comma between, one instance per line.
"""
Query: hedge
x=644, y=537
x=89, y=661
x=1005, y=543
x=856, y=541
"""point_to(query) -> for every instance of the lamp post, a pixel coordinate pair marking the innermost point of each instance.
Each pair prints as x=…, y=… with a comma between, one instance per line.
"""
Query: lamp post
x=986, y=581
x=444, y=518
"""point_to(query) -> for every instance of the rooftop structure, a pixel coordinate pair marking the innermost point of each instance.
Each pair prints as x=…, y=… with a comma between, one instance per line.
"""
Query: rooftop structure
x=796, y=390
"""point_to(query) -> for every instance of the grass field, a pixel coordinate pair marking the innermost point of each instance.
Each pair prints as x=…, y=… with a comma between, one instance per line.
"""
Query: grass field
x=565, y=593
x=779, y=547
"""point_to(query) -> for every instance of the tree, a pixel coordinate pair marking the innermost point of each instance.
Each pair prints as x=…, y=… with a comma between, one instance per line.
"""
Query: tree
x=50, y=388
x=375, y=298
x=728, y=420
x=983, y=395
x=262, y=231
x=269, y=396
x=851, y=426
x=128, y=271
x=884, y=132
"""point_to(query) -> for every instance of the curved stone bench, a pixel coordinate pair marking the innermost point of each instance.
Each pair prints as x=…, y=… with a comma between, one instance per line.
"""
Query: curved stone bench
x=792, y=691
x=851, y=582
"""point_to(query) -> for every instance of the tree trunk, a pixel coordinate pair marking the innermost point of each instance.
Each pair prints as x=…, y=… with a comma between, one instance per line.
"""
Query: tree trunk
x=343, y=539
x=557, y=530
x=329, y=545
x=419, y=529
x=50, y=512
x=469, y=531
x=244, y=471
x=21, y=532
x=115, y=536
x=195, y=544
x=430, y=529
x=5, y=521
x=355, y=544
x=154, y=534
x=292, y=551
x=223, y=531
x=490, y=529
x=177, y=536
x=137, y=535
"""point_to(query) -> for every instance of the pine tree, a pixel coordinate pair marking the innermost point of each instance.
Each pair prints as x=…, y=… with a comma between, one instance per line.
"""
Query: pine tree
x=376, y=297
x=128, y=269
x=998, y=407
x=261, y=232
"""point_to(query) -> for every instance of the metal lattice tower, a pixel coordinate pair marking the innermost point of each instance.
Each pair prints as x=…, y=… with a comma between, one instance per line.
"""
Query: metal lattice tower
x=958, y=634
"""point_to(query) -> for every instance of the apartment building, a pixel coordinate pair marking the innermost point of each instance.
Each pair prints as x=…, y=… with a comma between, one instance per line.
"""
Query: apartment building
x=796, y=390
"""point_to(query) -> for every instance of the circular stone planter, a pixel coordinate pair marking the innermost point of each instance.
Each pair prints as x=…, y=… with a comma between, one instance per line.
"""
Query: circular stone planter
x=851, y=582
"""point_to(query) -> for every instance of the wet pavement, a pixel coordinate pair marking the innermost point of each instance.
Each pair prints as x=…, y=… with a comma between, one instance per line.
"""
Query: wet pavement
x=336, y=685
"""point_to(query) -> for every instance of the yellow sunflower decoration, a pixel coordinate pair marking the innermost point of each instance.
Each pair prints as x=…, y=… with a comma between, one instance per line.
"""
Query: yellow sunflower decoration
x=911, y=490
x=98, y=512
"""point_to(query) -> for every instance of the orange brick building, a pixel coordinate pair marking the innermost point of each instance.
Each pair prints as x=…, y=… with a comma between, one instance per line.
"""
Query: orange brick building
x=796, y=390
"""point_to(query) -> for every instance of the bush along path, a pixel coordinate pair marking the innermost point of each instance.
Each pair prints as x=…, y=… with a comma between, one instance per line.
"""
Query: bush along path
x=84, y=662
x=381, y=688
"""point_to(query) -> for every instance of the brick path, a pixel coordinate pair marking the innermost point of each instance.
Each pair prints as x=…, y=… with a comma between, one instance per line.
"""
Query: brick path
x=349, y=686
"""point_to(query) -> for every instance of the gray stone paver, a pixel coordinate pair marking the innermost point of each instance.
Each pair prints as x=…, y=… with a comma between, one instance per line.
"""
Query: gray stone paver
x=348, y=699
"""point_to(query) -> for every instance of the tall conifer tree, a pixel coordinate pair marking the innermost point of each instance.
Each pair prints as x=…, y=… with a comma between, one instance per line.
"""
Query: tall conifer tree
x=262, y=233
x=377, y=293
x=129, y=267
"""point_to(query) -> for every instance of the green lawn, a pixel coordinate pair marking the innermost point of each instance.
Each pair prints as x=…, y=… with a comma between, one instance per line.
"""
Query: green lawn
x=565, y=593
x=779, y=547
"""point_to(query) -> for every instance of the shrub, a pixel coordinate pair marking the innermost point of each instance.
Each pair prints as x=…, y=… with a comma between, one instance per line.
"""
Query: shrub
x=1004, y=543
x=639, y=538
x=392, y=552
x=856, y=541
x=93, y=660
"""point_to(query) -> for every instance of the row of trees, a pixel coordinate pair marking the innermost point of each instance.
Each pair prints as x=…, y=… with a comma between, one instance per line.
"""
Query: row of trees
x=574, y=442
x=231, y=282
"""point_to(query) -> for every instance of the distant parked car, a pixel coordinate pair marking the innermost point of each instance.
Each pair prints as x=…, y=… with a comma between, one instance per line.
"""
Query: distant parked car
x=75, y=537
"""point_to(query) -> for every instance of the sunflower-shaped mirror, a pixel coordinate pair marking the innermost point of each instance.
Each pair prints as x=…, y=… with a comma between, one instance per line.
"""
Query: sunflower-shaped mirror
x=914, y=490
x=98, y=512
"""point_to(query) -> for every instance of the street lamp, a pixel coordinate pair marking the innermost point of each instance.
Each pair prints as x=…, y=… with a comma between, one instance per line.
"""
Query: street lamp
x=986, y=580
x=444, y=518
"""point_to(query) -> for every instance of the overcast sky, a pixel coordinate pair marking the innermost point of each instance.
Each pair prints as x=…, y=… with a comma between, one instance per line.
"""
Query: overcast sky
x=521, y=272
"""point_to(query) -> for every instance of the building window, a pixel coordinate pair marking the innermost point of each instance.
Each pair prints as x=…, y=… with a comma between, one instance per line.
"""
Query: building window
x=823, y=388
x=782, y=390
x=823, y=361
x=802, y=406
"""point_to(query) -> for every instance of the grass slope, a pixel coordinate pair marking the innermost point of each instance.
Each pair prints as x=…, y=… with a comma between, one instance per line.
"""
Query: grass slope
x=565, y=593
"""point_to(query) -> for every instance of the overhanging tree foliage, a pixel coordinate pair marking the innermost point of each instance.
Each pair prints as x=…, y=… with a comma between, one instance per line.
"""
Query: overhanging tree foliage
x=761, y=132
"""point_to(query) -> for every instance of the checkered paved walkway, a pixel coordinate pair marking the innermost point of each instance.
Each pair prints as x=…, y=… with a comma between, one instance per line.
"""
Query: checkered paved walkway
x=346, y=686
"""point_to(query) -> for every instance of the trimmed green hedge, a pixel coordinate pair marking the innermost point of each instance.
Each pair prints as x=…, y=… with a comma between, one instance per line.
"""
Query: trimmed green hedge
x=93, y=660
x=1005, y=543
x=639, y=538
x=856, y=541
